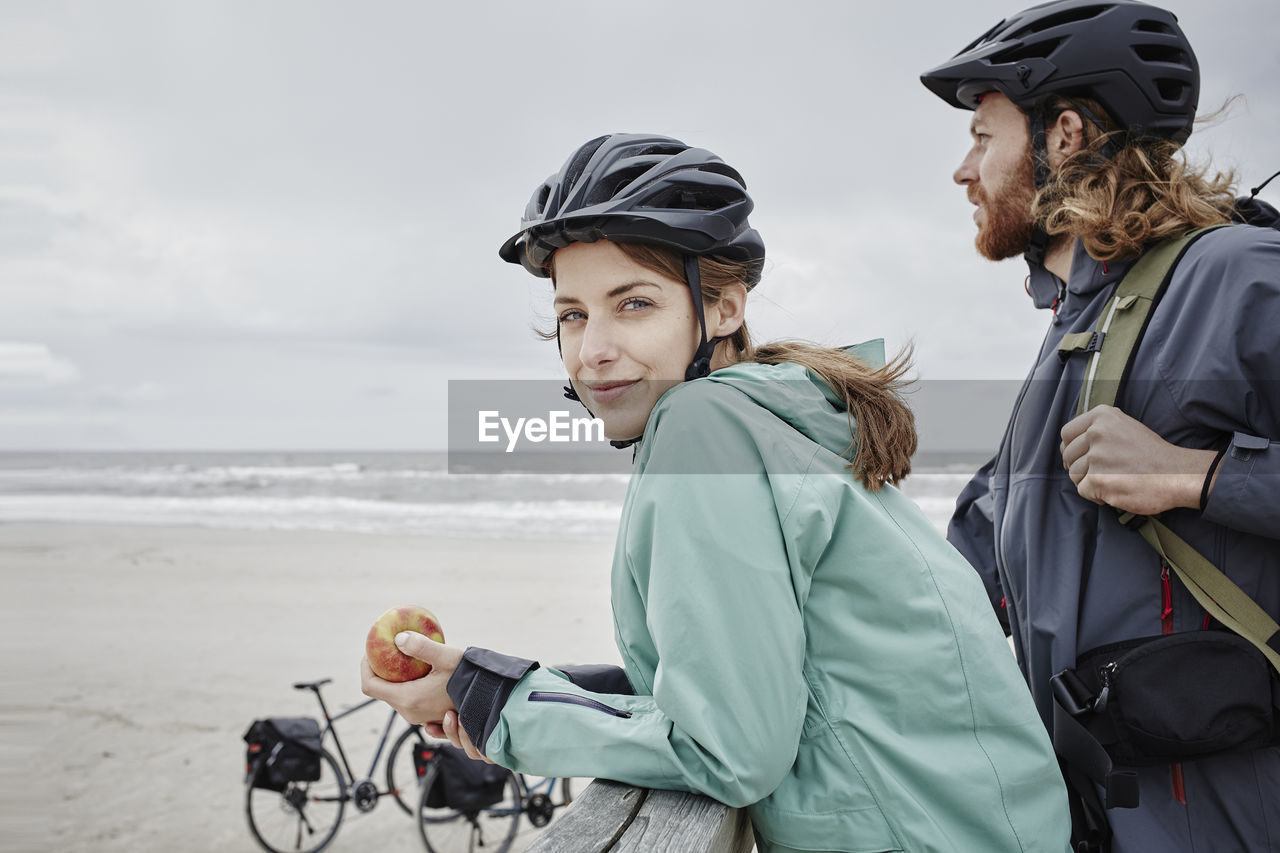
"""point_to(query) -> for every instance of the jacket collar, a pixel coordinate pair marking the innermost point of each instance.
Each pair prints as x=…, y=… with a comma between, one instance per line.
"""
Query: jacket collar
x=1088, y=275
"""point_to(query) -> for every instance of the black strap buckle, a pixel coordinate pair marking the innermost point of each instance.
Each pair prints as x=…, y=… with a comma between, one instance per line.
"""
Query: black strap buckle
x=1071, y=693
x=1094, y=345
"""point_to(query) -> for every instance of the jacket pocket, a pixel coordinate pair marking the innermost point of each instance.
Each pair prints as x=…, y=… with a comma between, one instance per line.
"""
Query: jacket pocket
x=575, y=699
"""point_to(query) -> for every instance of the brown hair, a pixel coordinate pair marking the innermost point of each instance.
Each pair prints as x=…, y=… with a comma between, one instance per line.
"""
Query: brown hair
x=1144, y=192
x=885, y=436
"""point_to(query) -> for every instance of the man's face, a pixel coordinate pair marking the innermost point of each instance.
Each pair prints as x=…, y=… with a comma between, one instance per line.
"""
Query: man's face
x=998, y=177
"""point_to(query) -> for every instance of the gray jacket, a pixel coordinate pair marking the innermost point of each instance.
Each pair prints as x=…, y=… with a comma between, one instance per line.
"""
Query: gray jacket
x=1069, y=577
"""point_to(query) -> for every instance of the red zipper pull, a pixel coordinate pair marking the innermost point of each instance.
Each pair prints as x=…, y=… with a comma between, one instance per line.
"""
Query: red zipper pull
x=1179, y=786
x=1166, y=599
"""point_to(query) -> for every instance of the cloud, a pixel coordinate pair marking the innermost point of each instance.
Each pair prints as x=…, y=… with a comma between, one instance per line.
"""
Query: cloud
x=27, y=365
x=222, y=219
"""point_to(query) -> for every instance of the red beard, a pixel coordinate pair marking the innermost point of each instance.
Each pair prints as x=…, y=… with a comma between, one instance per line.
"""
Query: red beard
x=1008, y=226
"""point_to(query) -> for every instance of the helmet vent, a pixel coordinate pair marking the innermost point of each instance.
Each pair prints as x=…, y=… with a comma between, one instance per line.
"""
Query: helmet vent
x=681, y=198
x=1042, y=49
x=660, y=150
x=982, y=38
x=1162, y=53
x=1149, y=26
x=1172, y=91
x=612, y=184
x=1066, y=16
x=580, y=160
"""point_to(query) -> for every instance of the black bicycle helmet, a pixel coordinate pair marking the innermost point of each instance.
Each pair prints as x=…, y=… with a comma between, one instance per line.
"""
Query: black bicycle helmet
x=1130, y=57
x=641, y=188
x=638, y=188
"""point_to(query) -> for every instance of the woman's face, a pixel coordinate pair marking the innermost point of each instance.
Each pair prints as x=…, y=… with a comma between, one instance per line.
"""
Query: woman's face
x=627, y=333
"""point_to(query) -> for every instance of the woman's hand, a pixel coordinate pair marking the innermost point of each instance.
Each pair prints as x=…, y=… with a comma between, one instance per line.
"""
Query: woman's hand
x=423, y=701
x=457, y=736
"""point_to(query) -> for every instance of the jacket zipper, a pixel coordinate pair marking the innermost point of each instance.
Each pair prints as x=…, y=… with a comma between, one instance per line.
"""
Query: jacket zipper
x=1166, y=600
x=575, y=699
x=1166, y=627
x=1002, y=562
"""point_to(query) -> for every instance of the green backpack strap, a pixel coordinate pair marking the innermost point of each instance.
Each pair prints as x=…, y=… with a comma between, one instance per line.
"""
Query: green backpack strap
x=1111, y=347
x=1124, y=318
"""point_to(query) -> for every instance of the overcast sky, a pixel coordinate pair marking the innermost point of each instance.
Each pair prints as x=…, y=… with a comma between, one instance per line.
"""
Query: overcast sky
x=271, y=225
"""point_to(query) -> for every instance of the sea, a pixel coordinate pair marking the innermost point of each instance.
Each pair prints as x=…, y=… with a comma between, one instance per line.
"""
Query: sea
x=413, y=493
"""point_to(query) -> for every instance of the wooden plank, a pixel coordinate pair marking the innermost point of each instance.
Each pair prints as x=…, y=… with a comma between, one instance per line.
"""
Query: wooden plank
x=678, y=822
x=609, y=817
x=594, y=821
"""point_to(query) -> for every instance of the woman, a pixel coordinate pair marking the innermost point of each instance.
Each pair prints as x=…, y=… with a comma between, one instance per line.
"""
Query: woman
x=798, y=639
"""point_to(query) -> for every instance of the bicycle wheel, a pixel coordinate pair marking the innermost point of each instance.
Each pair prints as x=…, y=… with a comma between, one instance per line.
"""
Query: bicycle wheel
x=304, y=817
x=402, y=774
x=490, y=829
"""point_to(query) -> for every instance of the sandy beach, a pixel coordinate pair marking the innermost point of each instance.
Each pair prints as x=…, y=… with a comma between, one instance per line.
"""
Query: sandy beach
x=136, y=656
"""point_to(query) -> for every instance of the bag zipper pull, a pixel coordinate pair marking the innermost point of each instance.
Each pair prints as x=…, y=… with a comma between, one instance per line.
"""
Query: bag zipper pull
x=1105, y=673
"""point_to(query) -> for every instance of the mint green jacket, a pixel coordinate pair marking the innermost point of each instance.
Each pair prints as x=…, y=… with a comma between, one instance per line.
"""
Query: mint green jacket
x=797, y=644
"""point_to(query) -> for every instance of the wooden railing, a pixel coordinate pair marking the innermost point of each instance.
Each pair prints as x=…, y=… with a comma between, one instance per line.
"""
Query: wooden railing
x=610, y=817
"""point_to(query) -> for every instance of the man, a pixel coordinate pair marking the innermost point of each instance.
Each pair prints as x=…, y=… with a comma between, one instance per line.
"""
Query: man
x=1079, y=110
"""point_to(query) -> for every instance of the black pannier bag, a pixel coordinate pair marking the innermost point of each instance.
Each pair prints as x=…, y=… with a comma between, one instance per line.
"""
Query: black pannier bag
x=282, y=750
x=423, y=755
x=465, y=784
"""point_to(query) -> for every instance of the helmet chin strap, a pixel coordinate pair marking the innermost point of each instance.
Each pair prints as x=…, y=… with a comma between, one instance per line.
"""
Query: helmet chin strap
x=1039, y=242
x=701, y=364
x=1038, y=245
x=571, y=393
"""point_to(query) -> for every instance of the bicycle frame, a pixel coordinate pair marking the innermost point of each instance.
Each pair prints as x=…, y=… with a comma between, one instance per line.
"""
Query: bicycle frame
x=329, y=730
x=549, y=783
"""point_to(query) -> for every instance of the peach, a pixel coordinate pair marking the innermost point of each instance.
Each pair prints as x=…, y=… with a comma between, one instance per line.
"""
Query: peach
x=387, y=661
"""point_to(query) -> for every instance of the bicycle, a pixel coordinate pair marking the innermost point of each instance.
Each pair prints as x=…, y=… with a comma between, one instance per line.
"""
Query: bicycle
x=445, y=829
x=304, y=816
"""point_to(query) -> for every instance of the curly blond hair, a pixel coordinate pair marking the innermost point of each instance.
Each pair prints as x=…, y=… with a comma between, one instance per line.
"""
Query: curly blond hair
x=1143, y=192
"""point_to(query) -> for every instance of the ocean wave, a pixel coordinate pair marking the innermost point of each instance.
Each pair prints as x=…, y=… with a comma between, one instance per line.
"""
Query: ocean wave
x=407, y=492
x=500, y=519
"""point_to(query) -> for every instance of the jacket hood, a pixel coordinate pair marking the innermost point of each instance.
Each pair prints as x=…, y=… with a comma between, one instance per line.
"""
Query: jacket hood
x=801, y=398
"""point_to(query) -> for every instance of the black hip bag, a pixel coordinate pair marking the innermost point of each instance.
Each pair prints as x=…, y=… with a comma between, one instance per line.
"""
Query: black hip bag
x=1162, y=700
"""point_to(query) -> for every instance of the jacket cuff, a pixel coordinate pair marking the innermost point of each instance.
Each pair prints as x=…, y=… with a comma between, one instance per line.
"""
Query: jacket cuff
x=480, y=687
x=1242, y=496
x=599, y=678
